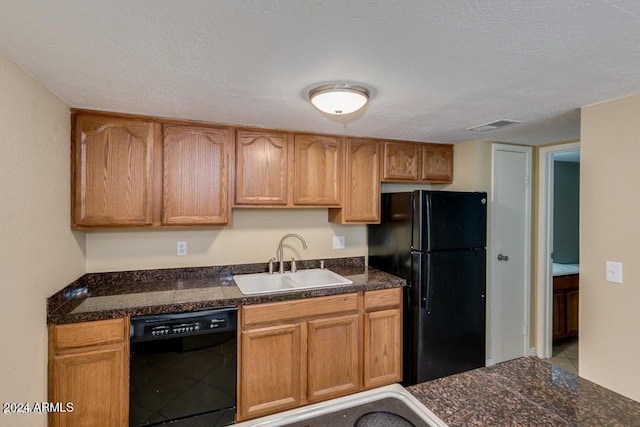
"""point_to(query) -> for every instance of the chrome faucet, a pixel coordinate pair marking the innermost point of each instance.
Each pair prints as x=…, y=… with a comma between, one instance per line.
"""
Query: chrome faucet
x=281, y=250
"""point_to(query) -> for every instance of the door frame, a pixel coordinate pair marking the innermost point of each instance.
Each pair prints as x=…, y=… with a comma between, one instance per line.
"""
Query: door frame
x=544, y=282
x=495, y=338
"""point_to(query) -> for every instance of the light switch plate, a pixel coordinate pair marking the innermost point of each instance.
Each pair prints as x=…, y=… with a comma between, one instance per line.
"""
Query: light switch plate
x=613, y=272
x=338, y=242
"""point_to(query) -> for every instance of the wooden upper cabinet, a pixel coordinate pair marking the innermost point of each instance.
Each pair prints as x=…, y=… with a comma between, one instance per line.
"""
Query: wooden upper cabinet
x=318, y=169
x=417, y=162
x=401, y=161
x=437, y=163
x=196, y=175
x=261, y=167
x=112, y=171
x=361, y=201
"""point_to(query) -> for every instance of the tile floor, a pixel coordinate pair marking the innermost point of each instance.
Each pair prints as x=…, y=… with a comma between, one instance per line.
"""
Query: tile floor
x=565, y=355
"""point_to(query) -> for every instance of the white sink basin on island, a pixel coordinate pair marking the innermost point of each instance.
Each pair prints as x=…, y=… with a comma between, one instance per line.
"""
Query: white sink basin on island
x=264, y=283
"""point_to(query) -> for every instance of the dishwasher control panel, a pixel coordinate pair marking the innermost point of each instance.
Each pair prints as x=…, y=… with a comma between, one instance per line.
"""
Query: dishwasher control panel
x=158, y=326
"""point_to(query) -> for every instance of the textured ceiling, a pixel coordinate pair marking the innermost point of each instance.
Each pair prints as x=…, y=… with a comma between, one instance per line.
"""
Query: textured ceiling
x=434, y=67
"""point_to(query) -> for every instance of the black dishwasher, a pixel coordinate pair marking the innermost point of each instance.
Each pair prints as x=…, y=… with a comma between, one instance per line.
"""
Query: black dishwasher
x=183, y=369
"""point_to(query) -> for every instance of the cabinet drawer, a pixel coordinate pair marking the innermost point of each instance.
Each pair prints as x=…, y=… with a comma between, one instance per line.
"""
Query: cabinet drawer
x=86, y=334
x=382, y=299
x=561, y=283
x=279, y=312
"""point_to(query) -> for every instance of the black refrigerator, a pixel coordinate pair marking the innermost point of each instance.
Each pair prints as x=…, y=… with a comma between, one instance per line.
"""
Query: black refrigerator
x=436, y=241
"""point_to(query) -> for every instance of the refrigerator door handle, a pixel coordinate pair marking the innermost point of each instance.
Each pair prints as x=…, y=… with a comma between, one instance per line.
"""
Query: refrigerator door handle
x=420, y=281
x=426, y=298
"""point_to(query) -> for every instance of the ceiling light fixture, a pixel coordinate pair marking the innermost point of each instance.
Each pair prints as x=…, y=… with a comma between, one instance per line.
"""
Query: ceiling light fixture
x=339, y=99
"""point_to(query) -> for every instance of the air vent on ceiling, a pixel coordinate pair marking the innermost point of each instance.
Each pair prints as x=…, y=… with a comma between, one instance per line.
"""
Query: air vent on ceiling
x=493, y=125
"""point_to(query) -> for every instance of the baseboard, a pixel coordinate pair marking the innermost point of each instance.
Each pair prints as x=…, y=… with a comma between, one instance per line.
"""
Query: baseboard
x=533, y=351
x=489, y=362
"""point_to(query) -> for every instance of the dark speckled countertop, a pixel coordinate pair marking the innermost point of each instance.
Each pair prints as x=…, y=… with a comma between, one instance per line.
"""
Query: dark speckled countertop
x=525, y=392
x=98, y=296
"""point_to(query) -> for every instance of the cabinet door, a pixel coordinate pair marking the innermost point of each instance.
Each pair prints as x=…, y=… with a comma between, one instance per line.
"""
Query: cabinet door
x=96, y=382
x=382, y=348
x=261, y=168
x=112, y=172
x=196, y=175
x=88, y=366
x=361, y=203
x=333, y=357
x=400, y=161
x=437, y=163
x=573, y=302
x=559, y=315
x=318, y=167
x=271, y=370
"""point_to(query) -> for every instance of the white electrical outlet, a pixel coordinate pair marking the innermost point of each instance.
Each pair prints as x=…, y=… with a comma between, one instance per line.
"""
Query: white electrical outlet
x=613, y=272
x=181, y=248
x=338, y=242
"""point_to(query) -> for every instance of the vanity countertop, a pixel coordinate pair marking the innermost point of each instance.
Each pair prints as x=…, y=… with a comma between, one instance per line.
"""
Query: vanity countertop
x=99, y=296
x=525, y=392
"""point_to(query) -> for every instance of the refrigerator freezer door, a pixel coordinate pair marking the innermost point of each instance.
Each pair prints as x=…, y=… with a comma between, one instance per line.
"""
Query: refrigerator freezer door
x=451, y=314
x=445, y=220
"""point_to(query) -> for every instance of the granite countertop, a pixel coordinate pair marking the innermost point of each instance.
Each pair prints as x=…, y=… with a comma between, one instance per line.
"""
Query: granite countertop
x=98, y=296
x=525, y=392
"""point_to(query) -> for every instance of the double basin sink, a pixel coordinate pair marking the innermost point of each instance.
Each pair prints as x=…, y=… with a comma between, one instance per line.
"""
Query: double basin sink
x=263, y=283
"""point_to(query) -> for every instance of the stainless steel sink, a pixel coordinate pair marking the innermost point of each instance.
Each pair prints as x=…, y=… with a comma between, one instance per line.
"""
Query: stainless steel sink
x=264, y=283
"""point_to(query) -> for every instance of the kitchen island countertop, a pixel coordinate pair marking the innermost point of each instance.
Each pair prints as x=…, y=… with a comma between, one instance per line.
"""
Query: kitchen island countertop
x=99, y=296
x=525, y=392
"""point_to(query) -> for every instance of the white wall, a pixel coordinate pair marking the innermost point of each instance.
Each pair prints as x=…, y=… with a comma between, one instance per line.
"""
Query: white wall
x=609, y=230
x=38, y=252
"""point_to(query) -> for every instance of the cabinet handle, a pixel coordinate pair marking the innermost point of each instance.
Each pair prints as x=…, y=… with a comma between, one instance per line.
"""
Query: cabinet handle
x=503, y=257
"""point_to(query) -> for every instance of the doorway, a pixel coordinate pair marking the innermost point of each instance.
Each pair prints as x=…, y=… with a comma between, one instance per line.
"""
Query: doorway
x=558, y=256
x=510, y=244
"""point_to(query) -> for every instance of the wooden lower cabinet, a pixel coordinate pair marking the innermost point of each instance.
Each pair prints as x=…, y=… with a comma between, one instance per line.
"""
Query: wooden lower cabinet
x=559, y=315
x=566, y=298
x=291, y=354
x=306, y=351
x=89, y=367
x=382, y=337
x=271, y=370
x=382, y=347
x=333, y=357
x=573, y=300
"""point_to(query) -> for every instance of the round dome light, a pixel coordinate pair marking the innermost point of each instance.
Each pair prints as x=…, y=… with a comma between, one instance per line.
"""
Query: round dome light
x=339, y=99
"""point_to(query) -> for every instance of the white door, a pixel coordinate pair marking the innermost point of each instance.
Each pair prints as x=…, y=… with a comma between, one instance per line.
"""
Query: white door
x=509, y=252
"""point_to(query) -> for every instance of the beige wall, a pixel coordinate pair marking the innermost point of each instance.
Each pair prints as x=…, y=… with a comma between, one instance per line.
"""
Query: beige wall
x=252, y=237
x=38, y=253
x=609, y=230
x=472, y=167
